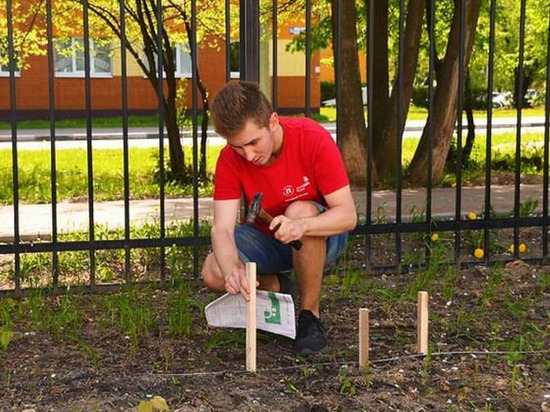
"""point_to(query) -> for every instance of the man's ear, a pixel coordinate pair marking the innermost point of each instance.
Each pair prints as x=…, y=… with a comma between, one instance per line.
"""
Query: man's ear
x=273, y=121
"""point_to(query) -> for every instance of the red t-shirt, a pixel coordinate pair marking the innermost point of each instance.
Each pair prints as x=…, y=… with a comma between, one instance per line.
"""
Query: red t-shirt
x=308, y=168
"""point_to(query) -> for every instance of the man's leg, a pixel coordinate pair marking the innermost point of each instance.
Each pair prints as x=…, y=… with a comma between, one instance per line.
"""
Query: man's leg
x=309, y=264
x=214, y=280
x=309, y=261
x=270, y=255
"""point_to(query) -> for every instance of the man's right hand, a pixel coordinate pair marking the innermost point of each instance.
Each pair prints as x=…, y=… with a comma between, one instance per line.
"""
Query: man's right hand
x=236, y=282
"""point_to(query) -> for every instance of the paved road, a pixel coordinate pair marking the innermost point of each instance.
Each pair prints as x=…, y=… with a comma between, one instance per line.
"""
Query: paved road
x=36, y=220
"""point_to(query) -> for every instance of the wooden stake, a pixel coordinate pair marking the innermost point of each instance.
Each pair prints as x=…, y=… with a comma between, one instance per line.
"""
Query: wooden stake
x=363, y=337
x=422, y=323
x=251, y=318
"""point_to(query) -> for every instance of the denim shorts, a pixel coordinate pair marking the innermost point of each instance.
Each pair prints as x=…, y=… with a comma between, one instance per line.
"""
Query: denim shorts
x=273, y=256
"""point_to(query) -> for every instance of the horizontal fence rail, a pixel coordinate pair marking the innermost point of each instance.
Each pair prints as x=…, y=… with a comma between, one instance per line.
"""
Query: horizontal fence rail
x=170, y=250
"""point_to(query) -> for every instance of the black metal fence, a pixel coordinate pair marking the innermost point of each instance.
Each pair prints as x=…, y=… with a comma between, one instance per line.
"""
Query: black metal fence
x=407, y=237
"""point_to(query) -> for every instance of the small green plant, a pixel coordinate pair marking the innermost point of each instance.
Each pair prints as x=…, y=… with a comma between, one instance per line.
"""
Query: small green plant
x=182, y=311
x=493, y=282
x=347, y=386
x=130, y=310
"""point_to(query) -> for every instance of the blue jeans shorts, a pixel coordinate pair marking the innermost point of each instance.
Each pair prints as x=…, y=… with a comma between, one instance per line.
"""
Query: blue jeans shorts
x=273, y=256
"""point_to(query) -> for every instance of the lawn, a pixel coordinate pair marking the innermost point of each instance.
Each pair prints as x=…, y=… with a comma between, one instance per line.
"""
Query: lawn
x=326, y=114
x=34, y=173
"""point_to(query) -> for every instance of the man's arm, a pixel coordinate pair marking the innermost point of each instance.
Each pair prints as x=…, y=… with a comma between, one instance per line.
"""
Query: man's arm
x=340, y=217
x=225, y=249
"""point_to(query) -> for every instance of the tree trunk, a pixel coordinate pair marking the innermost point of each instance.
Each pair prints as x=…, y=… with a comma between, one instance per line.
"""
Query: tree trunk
x=351, y=116
x=386, y=122
x=443, y=116
x=468, y=108
x=177, y=160
x=380, y=81
x=204, y=99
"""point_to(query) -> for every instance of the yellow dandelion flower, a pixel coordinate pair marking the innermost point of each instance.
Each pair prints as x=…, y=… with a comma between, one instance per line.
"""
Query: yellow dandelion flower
x=522, y=248
x=435, y=237
x=478, y=253
x=472, y=216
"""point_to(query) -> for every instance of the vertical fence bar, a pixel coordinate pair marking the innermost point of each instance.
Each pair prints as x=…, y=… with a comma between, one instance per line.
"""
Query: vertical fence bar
x=249, y=26
x=519, y=91
x=53, y=160
x=369, y=6
x=125, y=143
x=400, y=128
x=14, y=155
x=489, y=135
x=227, y=41
x=275, y=57
x=89, y=137
x=460, y=95
x=162, y=177
x=546, y=144
x=194, y=99
x=308, y=60
x=431, y=66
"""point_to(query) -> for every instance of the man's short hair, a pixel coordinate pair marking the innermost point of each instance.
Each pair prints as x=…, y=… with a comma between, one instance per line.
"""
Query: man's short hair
x=235, y=104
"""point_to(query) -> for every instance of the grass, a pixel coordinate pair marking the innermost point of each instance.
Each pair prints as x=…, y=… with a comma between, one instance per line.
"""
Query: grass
x=34, y=172
x=74, y=266
x=326, y=114
x=115, y=121
x=34, y=175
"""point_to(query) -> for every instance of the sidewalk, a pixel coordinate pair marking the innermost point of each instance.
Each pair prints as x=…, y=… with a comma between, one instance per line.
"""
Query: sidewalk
x=35, y=221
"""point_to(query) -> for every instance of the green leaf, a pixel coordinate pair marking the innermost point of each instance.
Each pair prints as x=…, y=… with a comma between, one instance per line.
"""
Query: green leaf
x=5, y=338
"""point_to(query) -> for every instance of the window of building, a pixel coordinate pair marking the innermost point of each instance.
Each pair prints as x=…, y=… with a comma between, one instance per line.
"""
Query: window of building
x=4, y=61
x=69, y=58
x=182, y=60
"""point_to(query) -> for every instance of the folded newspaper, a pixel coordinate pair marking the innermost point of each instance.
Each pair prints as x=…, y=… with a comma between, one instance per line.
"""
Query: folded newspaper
x=274, y=312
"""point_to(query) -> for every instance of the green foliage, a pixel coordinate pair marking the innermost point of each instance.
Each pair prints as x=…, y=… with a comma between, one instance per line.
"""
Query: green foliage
x=347, y=387
x=74, y=266
x=131, y=314
x=328, y=90
x=182, y=311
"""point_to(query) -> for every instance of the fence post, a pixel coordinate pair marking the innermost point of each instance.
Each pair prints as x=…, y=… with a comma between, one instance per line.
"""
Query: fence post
x=250, y=40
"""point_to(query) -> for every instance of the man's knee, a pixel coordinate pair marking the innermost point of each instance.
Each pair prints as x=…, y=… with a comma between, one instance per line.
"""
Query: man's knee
x=211, y=274
x=301, y=209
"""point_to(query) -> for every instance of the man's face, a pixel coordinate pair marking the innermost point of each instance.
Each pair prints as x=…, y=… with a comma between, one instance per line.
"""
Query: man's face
x=256, y=144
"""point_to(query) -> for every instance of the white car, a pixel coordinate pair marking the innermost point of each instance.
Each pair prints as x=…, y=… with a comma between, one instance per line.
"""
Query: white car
x=502, y=99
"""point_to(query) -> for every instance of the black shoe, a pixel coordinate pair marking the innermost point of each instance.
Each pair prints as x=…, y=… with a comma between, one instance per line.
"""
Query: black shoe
x=310, y=336
x=286, y=284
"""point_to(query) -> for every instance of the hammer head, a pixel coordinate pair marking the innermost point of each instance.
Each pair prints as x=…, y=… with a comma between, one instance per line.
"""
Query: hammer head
x=254, y=207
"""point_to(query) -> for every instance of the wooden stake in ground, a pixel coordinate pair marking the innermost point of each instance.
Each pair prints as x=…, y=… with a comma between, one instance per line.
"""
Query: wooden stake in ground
x=363, y=337
x=251, y=318
x=422, y=324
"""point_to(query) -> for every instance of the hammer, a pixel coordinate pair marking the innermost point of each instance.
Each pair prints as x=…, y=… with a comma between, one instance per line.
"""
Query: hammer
x=255, y=210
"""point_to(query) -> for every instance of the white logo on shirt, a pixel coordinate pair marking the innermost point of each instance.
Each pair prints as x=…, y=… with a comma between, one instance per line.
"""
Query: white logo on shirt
x=289, y=190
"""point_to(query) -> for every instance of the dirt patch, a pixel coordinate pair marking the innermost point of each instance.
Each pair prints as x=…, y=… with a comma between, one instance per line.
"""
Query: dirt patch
x=489, y=341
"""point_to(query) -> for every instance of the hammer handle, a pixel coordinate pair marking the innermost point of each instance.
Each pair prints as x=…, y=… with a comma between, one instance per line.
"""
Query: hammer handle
x=267, y=218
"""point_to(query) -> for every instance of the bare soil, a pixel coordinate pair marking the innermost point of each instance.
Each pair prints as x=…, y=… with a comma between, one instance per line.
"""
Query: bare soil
x=489, y=342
